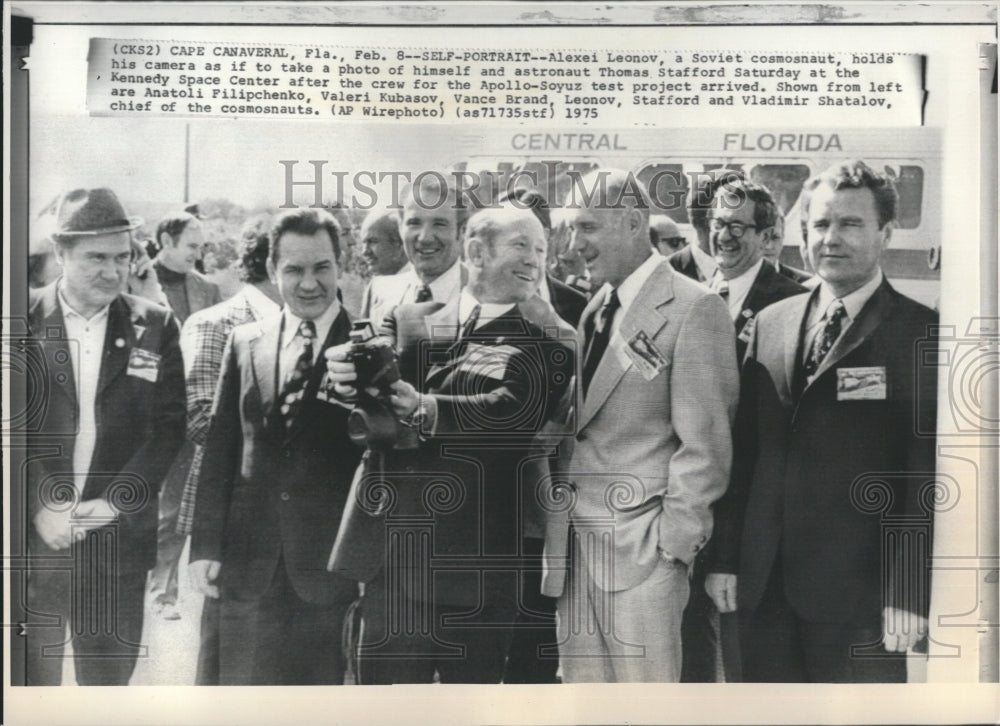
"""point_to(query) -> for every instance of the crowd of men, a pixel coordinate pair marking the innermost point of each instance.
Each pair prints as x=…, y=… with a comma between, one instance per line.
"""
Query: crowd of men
x=682, y=466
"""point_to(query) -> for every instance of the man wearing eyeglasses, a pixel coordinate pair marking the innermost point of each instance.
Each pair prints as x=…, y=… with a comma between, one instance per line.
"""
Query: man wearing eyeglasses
x=741, y=220
x=668, y=238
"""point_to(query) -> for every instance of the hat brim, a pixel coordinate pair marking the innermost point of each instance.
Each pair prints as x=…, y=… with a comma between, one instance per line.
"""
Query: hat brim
x=130, y=224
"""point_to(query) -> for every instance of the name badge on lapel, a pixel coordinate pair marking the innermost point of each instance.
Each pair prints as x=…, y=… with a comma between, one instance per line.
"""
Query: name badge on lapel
x=646, y=357
x=861, y=384
x=143, y=364
x=487, y=360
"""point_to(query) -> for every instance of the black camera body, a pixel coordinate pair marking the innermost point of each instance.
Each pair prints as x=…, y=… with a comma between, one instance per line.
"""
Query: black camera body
x=372, y=422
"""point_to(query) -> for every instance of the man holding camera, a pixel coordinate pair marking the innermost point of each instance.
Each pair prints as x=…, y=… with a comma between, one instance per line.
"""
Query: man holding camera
x=478, y=382
x=275, y=474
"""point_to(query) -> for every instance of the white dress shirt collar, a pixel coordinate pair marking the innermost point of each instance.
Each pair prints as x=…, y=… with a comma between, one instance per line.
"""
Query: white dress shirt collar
x=323, y=324
x=853, y=302
x=629, y=289
x=487, y=311
x=704, y=261
x=443, y=288
x=739, y=287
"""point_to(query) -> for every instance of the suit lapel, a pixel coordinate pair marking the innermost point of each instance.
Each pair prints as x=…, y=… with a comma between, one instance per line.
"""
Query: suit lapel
x=644, y=314
x=195, y=293
x=48, y=317
x=795, y=325
x=870, y=317
x=119, y=340
x=264, y=352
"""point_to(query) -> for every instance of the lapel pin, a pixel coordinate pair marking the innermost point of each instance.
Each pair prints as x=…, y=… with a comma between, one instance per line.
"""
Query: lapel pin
x=119, y=343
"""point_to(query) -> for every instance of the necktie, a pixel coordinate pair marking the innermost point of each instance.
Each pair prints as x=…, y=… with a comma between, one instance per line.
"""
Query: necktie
x=424, y=294
x=722, y=288
x=291, y=397
x=825, y=339
x=598, y=342
x=470, y=323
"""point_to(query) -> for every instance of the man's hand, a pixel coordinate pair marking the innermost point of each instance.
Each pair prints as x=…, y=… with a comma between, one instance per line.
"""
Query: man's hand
x=94, y=513
x=901, y=629
x=55, y=528
x=204, y=573
x=404, y=399
x=340, y=371
x=721, y=587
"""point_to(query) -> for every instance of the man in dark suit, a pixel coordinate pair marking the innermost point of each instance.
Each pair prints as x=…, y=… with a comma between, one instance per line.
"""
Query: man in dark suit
x=114, y=415
x=829, y=460
x=696, y=260
x=275, y=474
x=741, y=221
x=479, y=382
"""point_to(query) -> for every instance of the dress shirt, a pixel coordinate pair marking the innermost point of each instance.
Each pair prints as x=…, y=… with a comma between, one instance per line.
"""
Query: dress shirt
x=853, y=302
x=629, y=289
x=704, y=261
x=443, y=288
x=739, y=287
x=86, y=347
x=292, y=343
x=487, y=311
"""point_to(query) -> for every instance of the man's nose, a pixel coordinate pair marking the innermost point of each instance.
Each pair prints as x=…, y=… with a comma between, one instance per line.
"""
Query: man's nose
x=308, y=281
x=576, y=243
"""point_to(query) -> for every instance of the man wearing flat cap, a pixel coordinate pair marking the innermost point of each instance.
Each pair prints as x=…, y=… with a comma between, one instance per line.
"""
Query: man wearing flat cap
x=113, y=382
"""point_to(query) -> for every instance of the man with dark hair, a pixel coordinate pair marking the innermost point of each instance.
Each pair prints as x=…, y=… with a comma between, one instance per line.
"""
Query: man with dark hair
x=181, y=243
x=696, y=260
x=741, y=219
x=203, y=341
x=652, y=449
x=431, y=220
x=113, y=420
x=479, y=381
x=828, y=454
x=275, y=473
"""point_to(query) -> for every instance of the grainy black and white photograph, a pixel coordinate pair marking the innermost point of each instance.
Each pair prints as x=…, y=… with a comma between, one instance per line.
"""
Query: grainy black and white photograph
x=435, y=362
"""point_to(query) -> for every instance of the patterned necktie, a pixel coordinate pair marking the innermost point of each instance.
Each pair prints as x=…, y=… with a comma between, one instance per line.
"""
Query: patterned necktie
x=424, y=294
x=291, y=397
x=598, y=342
x=825, y=339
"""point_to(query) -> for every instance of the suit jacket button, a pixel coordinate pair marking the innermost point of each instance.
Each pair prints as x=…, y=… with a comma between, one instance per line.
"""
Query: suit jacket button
x=285, y=497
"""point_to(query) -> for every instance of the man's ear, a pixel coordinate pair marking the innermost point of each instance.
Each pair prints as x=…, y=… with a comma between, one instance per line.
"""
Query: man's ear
x=166, y=240
x=475, y=251
x=59, y=252
x=886, y=235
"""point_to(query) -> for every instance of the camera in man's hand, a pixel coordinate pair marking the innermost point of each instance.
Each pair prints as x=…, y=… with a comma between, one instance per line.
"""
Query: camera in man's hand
x=372, y=422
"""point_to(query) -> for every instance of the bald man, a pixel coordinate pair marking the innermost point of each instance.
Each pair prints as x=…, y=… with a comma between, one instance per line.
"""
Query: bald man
x=668, y=238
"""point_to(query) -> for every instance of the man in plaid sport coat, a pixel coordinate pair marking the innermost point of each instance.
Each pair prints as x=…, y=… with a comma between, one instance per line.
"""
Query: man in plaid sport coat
x=203, y=341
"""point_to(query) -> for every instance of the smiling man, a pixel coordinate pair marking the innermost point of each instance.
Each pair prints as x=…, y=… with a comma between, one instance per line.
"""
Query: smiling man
x=653, y=444
x=479, y=381
x=275, y=474
x=827, y=458
x=431, y=220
